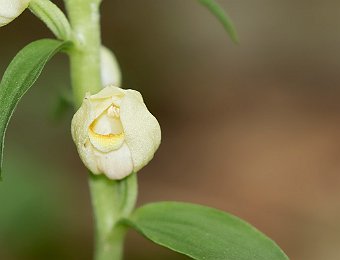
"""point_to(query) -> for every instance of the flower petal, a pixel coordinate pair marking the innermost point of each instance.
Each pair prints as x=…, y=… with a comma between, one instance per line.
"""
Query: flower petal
x=141, y=128
x=108, y=92
x=10, y=9
x=79, y=129
x=116, y=164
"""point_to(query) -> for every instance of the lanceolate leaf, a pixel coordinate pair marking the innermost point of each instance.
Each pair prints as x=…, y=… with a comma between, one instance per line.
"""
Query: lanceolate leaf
x=203, y=233
x=222, y=16
x=20, y=75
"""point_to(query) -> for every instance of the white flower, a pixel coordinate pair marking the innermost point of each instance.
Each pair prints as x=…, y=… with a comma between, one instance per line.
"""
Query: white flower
x=110, y=71
x=11, y=9
x=114, y=132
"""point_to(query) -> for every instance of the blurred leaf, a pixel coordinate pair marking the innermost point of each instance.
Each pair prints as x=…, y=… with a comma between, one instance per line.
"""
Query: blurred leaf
x=63, y=105
x=222, y=16
x=20, y=75
x=203, y=233
x=37, y=201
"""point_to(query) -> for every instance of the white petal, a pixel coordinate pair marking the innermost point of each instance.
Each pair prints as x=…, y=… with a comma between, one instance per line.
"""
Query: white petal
x=79, y=129
x=94, y=105
x=116, y=164
x=106, y=97
x=110, y=71
x=87, y=155
x=103, y=100
x=108, y=92
x=10, y=9
x=141, y=128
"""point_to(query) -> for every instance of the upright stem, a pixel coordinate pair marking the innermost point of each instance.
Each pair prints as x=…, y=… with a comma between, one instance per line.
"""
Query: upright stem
x=85, y=57
x=111, y=200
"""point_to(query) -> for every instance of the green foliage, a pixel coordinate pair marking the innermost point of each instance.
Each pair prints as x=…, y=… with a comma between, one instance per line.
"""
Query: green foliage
x=203, y=233
x=20, y=75
x=63, y=105
x=222, y=16
x=53, y=17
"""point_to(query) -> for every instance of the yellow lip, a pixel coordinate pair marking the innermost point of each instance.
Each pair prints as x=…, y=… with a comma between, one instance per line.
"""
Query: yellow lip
x=105, y=143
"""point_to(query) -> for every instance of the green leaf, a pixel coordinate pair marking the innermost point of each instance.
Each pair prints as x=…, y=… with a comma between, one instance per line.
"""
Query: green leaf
x=203, y=233
x=20, y=75
x=63, y=105
x=222, y=16
x=53, y=17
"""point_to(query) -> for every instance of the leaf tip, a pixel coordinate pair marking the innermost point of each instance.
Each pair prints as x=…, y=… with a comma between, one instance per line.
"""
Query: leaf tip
x=223, y=17
x=235, y=39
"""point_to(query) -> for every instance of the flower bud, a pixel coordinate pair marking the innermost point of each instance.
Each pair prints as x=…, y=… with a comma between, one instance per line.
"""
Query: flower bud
x=114, y=132
x=110, y=71
x=11, y=9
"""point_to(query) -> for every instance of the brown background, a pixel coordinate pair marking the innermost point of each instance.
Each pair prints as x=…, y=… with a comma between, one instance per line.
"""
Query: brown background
x=251, y=129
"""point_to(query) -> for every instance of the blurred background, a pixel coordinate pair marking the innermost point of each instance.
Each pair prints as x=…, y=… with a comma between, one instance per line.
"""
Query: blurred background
x=251, y=129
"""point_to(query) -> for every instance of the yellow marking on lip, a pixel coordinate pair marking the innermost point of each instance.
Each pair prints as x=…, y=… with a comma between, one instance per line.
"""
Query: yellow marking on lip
x=107, y=142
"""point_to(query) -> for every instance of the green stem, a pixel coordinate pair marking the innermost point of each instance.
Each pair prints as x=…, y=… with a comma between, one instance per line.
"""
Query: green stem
x=111, y=200
x=85, y=56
